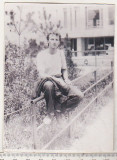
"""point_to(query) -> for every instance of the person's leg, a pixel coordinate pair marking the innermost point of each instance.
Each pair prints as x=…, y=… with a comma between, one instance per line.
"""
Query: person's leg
x=74, y=97
x=49, y=94
x=72, y=102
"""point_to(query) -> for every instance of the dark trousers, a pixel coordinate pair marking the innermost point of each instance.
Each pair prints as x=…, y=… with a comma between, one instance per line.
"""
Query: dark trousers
x=49, y=93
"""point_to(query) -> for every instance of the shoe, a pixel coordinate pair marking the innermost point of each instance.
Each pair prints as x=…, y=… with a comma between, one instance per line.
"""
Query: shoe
x=52, y=114
x=68, y=109
x=47, y=120
x=57, y=110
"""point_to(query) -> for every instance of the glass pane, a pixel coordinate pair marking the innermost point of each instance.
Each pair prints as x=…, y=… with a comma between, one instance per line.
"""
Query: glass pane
x=99, y=43
x=93, y=18
x=111, y=11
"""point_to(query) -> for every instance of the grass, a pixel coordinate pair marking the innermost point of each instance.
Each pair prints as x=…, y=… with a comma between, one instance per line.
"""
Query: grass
x=18, y=129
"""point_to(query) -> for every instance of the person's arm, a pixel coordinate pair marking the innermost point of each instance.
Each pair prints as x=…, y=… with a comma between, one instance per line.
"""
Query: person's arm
x=64, y=69
x=65, y=76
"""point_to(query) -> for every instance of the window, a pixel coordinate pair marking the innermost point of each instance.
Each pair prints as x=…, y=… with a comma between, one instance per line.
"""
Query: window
x=74, y=44
x=65, y=17
x=70, y=18
x=94, y=18
x=111, y=12
x=99, y=43
x=76, y=15
x=75, y=18
x=109, y=41
x=89, y=44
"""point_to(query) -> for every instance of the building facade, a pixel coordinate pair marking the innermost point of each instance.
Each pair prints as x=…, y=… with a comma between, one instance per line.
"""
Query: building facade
x=89, y=27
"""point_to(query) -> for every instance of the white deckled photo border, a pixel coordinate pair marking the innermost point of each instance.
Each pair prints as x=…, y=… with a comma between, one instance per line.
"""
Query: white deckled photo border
x=2, y=55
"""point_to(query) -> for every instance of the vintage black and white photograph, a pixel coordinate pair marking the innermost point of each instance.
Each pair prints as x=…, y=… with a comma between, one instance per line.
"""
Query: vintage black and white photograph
x=58, y=77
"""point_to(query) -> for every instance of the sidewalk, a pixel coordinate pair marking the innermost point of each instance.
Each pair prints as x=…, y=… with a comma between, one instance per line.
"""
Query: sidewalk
x=99, y=135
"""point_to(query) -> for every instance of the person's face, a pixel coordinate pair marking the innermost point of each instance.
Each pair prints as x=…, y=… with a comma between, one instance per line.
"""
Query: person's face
x=53, y=41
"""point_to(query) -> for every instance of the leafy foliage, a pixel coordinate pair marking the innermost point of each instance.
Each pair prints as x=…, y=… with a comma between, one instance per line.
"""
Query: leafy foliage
x=20, y=70
x=18, y=24
x=20, y=75
x=72, y=72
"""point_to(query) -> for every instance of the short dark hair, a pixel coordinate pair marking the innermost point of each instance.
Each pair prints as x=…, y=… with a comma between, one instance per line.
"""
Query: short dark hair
x=55, y=33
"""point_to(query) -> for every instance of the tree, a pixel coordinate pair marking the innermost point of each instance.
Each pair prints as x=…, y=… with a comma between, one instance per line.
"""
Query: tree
x=16, y=23
x=15, y=59
x=20, y=72
x=45, y=24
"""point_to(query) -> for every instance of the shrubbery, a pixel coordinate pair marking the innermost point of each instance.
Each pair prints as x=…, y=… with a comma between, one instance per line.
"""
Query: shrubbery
x=21, y=74
x=20, y=70
x=72, y=72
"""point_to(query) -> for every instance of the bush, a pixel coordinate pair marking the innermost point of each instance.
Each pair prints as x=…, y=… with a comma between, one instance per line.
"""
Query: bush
x=20, y=76
x=72, y=72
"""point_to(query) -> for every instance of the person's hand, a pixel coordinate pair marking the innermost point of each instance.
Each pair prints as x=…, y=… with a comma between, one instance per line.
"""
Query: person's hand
x=68, y=81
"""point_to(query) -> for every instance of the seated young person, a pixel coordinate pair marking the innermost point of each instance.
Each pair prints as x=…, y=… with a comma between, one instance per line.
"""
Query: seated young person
x=55, y=85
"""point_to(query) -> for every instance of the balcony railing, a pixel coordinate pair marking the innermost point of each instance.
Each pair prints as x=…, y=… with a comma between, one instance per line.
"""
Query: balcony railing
x=91, y=53
x=93, y=58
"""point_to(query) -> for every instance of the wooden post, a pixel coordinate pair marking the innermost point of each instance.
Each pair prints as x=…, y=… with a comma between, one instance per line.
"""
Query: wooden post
x=95, y=78
x=112, y=72
x=111, y=65
x=69, y=128
x=33, y=117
